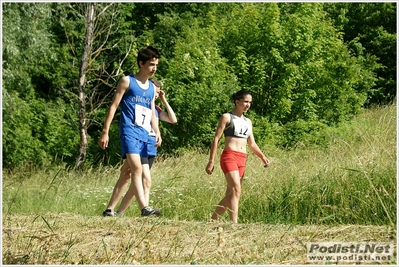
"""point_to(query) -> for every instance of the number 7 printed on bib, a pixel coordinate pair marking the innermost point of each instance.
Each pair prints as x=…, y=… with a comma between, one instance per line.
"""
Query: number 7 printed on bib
x=143, y=117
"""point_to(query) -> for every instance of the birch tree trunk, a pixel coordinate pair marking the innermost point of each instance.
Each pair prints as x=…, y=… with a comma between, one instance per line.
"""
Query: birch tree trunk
x=83, y=123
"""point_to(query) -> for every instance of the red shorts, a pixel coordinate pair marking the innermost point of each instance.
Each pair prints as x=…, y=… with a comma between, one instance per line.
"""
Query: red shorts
x=231, y=160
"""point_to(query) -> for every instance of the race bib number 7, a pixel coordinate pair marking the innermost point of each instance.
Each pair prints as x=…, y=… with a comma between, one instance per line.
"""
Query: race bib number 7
x=143, y=117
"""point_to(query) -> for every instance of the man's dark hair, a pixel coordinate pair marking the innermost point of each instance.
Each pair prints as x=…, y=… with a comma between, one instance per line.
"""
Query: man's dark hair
x=147, y=53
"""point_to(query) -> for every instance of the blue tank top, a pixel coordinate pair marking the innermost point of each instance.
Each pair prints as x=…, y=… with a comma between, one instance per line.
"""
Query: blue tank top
x=238, y=128
x=136, y=110
x=151, y=148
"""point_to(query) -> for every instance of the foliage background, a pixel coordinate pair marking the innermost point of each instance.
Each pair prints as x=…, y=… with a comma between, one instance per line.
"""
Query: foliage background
x=323, y=76
x=310, y=66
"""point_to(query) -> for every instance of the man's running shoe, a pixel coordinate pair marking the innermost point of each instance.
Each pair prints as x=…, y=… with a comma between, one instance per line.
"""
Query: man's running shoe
x=148, y=211
x=108, y=213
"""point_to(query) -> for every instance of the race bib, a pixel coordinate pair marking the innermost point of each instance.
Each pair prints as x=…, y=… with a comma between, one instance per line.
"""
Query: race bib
x=143, y=117
x=241, y=128
x=151, y=133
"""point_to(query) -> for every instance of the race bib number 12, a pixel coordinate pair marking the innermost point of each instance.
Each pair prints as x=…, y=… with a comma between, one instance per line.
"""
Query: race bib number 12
x=240, y=128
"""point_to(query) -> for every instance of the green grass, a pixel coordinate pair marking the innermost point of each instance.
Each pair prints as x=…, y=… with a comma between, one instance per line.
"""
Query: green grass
x=351, y=181
x=345, y=192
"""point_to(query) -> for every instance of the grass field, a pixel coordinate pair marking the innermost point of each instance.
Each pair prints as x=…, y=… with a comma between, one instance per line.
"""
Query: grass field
x=345, y=192
x=65, y=238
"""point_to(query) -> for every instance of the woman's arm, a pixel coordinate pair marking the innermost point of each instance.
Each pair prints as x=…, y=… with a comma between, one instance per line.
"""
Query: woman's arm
x=255, y=148
x=155, y=122
x=169, y=115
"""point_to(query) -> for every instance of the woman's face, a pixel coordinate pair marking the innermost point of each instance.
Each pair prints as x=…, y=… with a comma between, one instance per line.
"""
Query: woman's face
x=244, y=103
x=157, y=90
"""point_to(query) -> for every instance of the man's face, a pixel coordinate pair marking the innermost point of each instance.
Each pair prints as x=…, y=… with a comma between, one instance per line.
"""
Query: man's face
x=150, y=67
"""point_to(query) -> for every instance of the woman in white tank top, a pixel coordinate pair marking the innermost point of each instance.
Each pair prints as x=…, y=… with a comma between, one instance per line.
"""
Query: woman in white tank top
x=237, y=130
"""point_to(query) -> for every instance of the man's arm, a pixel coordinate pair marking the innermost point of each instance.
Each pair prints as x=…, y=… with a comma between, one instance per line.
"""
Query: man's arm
x=123, y=85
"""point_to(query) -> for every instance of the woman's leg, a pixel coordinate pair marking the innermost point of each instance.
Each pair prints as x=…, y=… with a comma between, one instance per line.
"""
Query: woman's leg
x=146, y=182
x=232, y=197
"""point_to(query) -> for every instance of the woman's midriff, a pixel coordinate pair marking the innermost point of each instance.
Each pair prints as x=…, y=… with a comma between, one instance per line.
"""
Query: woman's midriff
x=236, y=144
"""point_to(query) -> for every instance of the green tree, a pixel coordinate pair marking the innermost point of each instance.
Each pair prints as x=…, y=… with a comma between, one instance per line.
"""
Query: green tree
x=36, y=132
x=252, y=48
x=33, y=126
x=371, y=28
x=26, y=40
x=197, y=79
x=308, y=65
x=296, y=63
x=101, y=39
x=328, y=83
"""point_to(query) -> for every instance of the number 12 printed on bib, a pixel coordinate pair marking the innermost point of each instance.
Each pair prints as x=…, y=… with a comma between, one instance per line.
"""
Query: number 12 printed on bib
x=241, y=128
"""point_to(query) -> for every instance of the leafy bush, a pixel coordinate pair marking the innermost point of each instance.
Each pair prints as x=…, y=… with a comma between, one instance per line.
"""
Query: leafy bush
x=37, y=132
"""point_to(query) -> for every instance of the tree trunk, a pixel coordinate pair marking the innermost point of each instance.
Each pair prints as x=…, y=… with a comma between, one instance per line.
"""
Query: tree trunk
x=83, y=122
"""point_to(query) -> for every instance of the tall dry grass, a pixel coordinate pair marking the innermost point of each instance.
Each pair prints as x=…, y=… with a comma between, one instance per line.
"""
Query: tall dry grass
x=53, y=215
x=64, y=238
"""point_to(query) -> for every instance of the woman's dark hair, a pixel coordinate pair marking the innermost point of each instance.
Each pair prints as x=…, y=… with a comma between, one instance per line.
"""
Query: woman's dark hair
x=156, y=82
x=240, y=95
x=147, y=53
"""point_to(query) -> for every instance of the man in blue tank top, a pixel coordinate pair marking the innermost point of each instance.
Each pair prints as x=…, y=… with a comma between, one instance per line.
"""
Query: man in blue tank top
x=168, y=116
x=135, y=95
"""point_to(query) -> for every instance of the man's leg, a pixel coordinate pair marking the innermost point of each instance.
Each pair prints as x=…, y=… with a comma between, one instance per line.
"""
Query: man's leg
x=136, y=186
x=129, y=196
x=119, y=189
